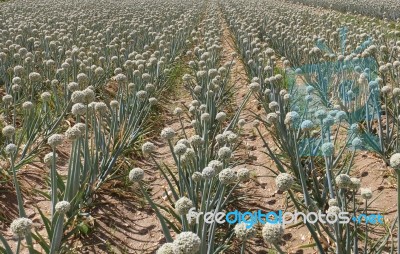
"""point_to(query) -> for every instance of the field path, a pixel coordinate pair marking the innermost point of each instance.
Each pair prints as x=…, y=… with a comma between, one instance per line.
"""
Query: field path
x=262, y=188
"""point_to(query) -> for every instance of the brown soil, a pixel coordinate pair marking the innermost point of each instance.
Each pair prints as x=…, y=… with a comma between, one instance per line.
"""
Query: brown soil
x=124, y=224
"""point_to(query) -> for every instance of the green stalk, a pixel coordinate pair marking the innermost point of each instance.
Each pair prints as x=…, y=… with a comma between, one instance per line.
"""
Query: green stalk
x=229, y=194
x=14, y=111
x=18, y=245
x=302, y=177
x=355, y=244
x=57, y=235
x=54, y=183
x=7, y=247
x=183, y=127
x=310, y=228
x=21, y=210
x=213, y=226
x=160, y=217
x=202, y=227
x=328, y=176
x=366, y=228
x=398, y=211
x=351, y=161
x=276, y=246
x=344, y=206
x=166, y=178
x=243, y=248
x=338, y=238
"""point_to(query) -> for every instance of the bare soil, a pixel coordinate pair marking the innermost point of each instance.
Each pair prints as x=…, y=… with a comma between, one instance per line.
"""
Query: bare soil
x=122, y=223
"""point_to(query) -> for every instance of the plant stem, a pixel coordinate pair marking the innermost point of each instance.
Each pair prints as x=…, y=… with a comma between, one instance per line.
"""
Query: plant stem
x=355, y=245
x=213, y=226
x=21, y=209
x=398, y=212
x=328, y=176
x=18, y=245
x=243, y=248
x=57, y=235
x=54, y=183
x=276, y=246
x=366, y=229
x=159, y=215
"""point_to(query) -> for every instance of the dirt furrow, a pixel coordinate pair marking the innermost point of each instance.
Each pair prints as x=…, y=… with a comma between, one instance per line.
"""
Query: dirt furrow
x=263, y=187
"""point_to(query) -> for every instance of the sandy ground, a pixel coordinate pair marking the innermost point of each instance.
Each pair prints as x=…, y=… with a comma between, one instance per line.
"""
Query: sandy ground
x=122, y=224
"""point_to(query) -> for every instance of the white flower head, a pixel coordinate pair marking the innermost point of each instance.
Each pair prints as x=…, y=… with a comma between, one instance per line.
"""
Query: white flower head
x=184, y=142
x=7, y=99
x=355, y=183
x=292, y=118
x=62, y=207
x=332, y=202
x=320, y=114
x=11, y=149
x=114, y=104
x=166, y=248
x=45, y=96
x=101, y=108
x=366, y=193
x=186, y=243
x=231, y=137
x=136, y=175
x=243, y=174
x=148, y=148
x=284, y=181
x=307, y=125
x=8, y=131
x=197, y=177
x=55, y=140
x=183, y=205
x=73, y=86
x=224, y=153
x=220, y=117
x=273, y=105
x=272, y=233
x=168, y=133
x=180, y=149
x=343, y=181
x=120, y=78
x=327, y=149
x=205, y=117
x=89, y=95
x=357, y=143
x=34, y=77
x=153, y=101
x=255, y=87
x=333, y=210
x=227, y=176
x=208, y=173
x=21, y=227
x=244, y=233
x=241, y=122
x=78, y=109
x=395, y=161
x=221, y=139
x=73, y=133
x=196, y=141
x=216, y=165
x=272, y=118
x=81, y=127
x=82, y=78
x=178, y=111
x=27, y=105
